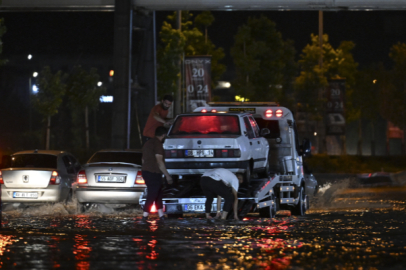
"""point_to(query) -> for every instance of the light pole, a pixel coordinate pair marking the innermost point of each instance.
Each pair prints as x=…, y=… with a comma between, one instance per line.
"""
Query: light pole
x=35, y=74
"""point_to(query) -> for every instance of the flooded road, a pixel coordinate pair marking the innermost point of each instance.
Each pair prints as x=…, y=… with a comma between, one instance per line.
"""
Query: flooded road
x=358, y=228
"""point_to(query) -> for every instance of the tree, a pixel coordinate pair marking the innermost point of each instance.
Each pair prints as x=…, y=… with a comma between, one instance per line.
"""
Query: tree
x=337, y=63
x=3, y=30
x=188, y=41
x=83, y=94
x=313, y=79
x=51, y=89
x=264, y=62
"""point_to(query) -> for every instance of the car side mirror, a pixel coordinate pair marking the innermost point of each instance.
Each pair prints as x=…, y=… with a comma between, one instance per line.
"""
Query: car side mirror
x=264, y=132
x=305, y=148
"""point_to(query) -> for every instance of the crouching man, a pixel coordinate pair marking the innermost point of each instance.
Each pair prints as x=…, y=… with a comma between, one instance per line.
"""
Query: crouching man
x=223, y=184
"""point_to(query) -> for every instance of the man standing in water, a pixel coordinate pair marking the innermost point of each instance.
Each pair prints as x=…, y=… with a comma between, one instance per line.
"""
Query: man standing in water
x=221, y=183
x=153, y=166
x=157, y=118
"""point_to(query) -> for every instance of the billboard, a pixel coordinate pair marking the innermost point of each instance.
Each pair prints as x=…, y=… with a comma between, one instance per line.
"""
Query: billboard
x=197, y=81
x=335, y=110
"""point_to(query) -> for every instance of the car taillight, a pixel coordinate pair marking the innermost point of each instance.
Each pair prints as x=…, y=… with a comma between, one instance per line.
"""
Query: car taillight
x=1, y=178
x=214, y=110
x=153, y=209
x=138, y=179
x=82, y=179
x=55, y=179
x=174, y=153
x=228, y=153
x=268, y=113
x=279, y=113
x=204, y=111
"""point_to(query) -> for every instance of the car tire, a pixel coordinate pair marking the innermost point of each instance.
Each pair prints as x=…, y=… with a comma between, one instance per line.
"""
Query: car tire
x=269, y=212
x=247, y=174
x=301, y=207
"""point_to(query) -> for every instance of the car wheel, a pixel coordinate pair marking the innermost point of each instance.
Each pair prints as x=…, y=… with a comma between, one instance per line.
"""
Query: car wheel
x=269, y=212
x=300, y=208
x=247, y=174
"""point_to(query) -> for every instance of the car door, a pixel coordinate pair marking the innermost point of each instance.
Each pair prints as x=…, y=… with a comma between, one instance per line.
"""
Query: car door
x=262, y=148
x=254, y=146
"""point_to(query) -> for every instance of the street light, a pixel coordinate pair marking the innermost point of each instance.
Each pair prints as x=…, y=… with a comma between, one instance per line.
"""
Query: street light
x=31, y=89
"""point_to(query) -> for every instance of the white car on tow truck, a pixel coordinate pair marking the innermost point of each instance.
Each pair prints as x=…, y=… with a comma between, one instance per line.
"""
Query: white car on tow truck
x=207, y=139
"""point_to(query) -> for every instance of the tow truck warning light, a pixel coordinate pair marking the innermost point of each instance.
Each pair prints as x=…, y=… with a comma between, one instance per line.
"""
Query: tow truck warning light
x=269, y=113
x=205, y=111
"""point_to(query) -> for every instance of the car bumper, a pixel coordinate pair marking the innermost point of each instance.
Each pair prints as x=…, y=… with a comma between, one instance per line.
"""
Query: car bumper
x=108, y=195
x=45, y=195
x=187, y=168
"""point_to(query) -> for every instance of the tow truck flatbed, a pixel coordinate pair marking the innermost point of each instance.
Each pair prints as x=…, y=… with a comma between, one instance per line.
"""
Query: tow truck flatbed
x=259, y=196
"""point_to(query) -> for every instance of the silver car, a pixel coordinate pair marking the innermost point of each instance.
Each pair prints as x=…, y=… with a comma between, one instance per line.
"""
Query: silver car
x=38, y=176
x=110, y=177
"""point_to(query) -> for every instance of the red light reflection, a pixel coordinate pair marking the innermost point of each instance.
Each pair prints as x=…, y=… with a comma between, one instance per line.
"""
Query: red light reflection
x=153, y=255
x=84, y=222
x=82, y=251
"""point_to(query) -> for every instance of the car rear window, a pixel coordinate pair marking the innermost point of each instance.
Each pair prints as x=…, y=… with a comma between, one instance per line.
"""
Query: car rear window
x=206, y=124
x=272, y=125
x=33, y=161
x=125, y=157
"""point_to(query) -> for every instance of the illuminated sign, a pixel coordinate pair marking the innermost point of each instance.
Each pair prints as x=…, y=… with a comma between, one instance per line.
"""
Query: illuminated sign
x=106, y=99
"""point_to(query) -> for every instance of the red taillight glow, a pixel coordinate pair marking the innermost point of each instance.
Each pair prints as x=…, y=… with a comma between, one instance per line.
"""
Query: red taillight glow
x=1, y=178
x=268, y=113
x=55, y=180
x=82, y=179
x=174, y=153
x=227, y=153
x=214, y=110
x=138, y=179
x=204, y=110
x=153, y=209
x=279, y=113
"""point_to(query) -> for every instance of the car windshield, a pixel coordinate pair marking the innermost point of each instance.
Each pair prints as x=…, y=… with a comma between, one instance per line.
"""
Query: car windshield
x=33, y=161
x=206, y=124
x=123, y=157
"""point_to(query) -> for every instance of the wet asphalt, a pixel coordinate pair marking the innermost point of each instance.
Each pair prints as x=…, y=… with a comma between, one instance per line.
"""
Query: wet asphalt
x=346, y=228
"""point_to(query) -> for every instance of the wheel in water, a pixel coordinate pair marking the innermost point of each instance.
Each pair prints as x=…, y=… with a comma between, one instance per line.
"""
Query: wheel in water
x=300, y=208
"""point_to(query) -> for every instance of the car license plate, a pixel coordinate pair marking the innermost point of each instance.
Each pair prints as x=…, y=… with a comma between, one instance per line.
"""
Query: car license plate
x=199, y=153
x=110, y=179
x=194, y=207
x=198, y=207
x=25, y=195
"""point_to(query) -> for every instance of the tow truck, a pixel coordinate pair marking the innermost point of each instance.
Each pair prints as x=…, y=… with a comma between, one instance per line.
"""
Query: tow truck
x=288, y=186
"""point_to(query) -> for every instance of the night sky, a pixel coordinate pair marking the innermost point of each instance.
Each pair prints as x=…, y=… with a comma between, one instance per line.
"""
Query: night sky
x=74, y=33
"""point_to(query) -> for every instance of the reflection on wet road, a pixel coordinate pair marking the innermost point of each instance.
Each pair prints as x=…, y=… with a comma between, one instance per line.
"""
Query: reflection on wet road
x=345, y=229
